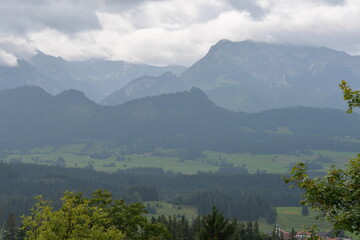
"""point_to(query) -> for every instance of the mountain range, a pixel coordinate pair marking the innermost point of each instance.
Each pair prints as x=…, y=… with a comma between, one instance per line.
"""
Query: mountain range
x=254, y=76
x=240, y=76
x=185, y=120
x=96, y=78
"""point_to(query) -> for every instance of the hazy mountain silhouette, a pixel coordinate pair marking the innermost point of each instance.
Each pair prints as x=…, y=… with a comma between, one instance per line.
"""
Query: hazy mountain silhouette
x=97, y=78
x=145, y=86
x=31, y=117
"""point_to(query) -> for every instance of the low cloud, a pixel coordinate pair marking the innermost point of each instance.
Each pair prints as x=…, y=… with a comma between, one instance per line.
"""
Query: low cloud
x=7, y=59
x=172, y=31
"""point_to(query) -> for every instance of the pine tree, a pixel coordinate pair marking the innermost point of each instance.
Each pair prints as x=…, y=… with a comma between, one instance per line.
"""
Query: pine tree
x=10, y=229
x=292, y=234
x=249, y=231
x=305, y=211
x=216, y=227
x=256, y=231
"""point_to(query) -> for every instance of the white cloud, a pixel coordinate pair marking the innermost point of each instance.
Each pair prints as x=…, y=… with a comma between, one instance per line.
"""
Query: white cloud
x=7, y=59
x=174, y=31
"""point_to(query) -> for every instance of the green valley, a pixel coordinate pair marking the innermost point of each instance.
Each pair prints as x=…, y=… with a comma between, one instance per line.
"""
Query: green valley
x=106, y=159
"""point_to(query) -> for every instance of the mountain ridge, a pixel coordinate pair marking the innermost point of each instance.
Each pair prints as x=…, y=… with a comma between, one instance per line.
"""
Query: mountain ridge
x=154, y=85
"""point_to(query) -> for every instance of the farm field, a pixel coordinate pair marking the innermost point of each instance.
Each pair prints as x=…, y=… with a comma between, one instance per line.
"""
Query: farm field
x=167, y=209
x=279, y=163
x=288, y=217
x=78, y=155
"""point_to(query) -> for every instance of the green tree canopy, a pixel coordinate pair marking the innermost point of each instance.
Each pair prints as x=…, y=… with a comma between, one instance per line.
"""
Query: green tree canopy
x=336, y=196
x=98, y=217
x=352, y=97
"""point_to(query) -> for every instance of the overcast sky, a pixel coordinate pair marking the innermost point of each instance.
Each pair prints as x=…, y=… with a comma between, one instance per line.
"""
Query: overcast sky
x=162, y=32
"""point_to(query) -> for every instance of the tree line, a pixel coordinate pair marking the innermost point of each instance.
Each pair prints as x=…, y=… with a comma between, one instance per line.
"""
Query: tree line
x=20, y=182
x=101, y=217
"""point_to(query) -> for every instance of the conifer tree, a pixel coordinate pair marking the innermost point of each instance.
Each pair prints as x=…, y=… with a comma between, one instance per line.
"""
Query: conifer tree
x=10, y=229
x=293, y=234
x=215, y=226
x=305, y=211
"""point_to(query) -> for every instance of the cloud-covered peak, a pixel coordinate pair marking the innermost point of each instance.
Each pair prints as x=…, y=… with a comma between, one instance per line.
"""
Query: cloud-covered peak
x=162, y=32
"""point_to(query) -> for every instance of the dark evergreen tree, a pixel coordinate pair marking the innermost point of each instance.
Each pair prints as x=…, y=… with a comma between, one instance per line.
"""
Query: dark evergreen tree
x=10, y=229
x=292, y=234
x=249, y=231
x=242, y=231
x=256, y=231
x=271, y=216
x=305, y=211
x=216, y=227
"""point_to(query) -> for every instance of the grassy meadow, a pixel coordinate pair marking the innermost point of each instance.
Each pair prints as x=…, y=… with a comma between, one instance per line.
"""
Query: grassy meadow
x=290, y=217
x=77, y=155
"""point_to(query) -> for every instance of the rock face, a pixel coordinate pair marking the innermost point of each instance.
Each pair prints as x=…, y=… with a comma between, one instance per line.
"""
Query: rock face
x=252, y=76
x=96, y=78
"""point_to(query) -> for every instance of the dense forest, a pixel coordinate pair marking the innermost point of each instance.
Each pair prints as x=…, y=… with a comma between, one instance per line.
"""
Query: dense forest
x=244, y=196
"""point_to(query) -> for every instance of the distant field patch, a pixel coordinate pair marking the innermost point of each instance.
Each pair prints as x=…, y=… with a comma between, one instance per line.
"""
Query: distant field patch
x=290, y=217
x=168, y=209
x=79, y=155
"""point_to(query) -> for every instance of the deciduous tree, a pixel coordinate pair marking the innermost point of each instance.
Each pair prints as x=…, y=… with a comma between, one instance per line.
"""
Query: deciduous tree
x=336, y=196
x=98, y=217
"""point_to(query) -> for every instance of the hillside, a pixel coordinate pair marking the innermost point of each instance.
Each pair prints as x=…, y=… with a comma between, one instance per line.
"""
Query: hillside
x=31, y=117
x=145, y=86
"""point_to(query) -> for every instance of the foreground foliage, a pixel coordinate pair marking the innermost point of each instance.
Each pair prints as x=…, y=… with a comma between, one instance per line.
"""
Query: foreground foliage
x=351, y=96
x=213, y=226
x=336, y=196
x=98, y=217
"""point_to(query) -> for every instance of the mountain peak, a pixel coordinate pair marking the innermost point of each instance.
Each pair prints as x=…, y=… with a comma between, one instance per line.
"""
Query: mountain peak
x=227, y=43
x=26, y=95
x=220, y=44
x=27, y=89
x=73, y=96
x=42, y=58
x=193, y=101
x=169, y=75
x=197, y=91
x=253, y=76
